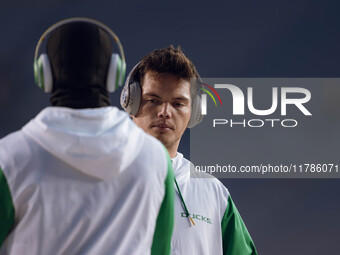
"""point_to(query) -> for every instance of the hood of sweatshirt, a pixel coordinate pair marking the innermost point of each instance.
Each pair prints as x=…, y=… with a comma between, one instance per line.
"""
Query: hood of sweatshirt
x=100, y=142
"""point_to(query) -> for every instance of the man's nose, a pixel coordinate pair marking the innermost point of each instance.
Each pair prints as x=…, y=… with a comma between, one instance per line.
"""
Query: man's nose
x=165, y=111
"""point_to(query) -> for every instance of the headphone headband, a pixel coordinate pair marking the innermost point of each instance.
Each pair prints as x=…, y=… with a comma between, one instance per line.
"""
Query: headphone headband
x=43, y=71
x=80, y=19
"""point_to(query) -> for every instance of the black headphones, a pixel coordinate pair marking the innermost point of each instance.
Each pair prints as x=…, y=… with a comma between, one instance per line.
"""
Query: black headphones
x=131, y=96
x=42, y=67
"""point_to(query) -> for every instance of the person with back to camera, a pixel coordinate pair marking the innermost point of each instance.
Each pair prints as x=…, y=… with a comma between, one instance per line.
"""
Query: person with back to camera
x=81, y=178
x=162, y=101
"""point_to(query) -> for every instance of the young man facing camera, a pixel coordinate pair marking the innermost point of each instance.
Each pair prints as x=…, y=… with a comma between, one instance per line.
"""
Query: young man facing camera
x=159, y=97
x=80, y=178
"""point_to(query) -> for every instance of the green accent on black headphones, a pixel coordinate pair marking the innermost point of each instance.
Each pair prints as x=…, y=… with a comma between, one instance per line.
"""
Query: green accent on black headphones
x=42, y=67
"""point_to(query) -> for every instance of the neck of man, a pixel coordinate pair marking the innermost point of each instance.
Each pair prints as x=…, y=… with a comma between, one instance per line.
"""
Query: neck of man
x=172, y=149
x=172, y=153
x=80, y=98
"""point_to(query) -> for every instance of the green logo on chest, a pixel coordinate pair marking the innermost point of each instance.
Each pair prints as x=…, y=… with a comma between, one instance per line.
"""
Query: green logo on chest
x=197, y=217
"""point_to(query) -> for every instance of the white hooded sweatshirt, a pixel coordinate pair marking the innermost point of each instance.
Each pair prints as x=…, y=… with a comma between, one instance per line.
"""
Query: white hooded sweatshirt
x=84, y=182
x=219, y=228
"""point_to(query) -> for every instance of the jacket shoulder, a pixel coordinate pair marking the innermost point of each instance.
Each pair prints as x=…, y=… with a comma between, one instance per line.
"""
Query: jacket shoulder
x=14, y=149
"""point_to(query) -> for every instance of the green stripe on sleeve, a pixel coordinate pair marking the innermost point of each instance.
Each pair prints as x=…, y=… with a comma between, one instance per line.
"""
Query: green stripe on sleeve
x=6, y=209
x=235, y=236
x=165, y=221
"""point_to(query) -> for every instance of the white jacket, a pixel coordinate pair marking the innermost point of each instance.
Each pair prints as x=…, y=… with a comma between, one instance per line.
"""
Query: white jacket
x=84, y=182
x=218, y=228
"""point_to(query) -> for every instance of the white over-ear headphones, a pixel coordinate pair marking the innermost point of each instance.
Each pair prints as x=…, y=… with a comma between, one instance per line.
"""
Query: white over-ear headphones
x=131, y=96
x=42, y=67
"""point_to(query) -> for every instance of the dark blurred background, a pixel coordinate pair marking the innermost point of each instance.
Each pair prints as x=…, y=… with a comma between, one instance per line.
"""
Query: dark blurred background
x=224, y=39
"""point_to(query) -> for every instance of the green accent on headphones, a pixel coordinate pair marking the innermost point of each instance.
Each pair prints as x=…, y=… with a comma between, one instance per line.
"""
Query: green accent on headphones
x=118, y=73
x=41, y=74
x=35, y=68
x=123, y=73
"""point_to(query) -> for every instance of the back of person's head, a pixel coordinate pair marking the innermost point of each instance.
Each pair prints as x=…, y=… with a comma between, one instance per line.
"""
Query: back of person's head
x=80, y=56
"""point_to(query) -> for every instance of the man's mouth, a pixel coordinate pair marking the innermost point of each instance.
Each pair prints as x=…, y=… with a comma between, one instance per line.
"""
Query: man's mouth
x=162, y=126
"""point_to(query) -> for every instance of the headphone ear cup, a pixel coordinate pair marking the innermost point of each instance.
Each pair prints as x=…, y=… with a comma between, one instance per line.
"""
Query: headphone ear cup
x=124, y=96
x=43, y=73
x=115, y=74
x=36, y=73
x=131, y=97
x=122, y=73
x=196, y=116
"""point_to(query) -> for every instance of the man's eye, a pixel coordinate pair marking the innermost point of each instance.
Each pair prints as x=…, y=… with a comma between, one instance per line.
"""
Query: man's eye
x=178, y=104
x=152, y=100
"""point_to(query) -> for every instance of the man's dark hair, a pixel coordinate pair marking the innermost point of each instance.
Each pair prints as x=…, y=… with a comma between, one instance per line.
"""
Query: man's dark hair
x=166, y=60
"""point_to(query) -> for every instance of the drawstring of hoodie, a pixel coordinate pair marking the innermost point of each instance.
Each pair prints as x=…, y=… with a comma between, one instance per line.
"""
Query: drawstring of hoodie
x=191, y=221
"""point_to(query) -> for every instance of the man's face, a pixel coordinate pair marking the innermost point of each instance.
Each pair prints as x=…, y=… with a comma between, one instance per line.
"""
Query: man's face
x=165, y=108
